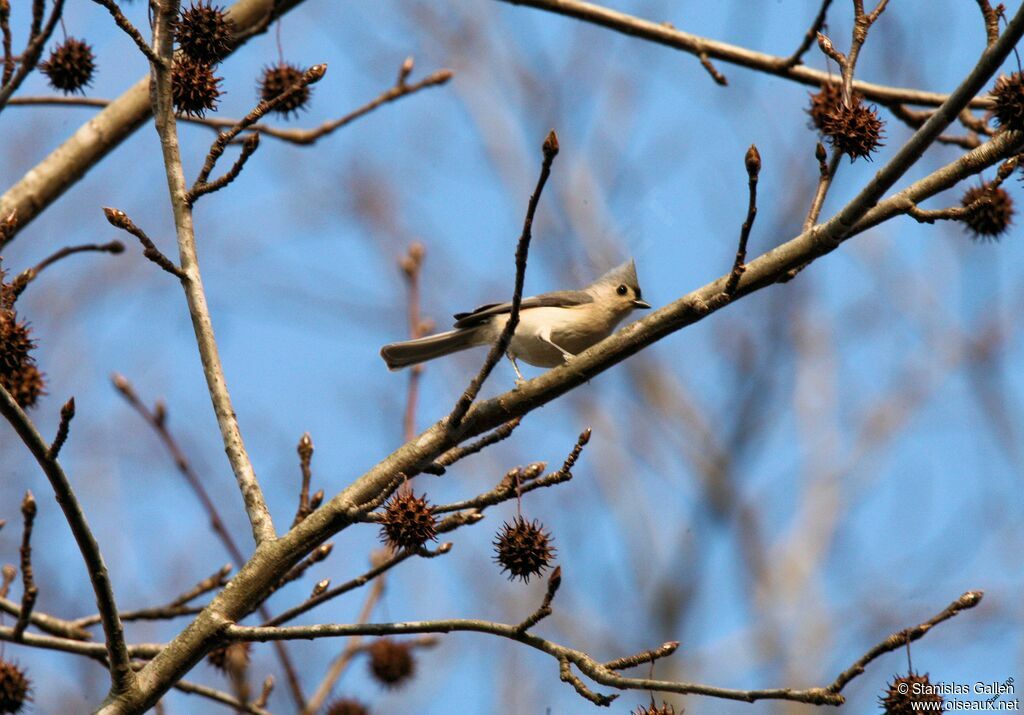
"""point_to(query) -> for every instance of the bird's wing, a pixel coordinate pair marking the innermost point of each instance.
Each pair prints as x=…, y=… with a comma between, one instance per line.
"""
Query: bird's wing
x=555, y=299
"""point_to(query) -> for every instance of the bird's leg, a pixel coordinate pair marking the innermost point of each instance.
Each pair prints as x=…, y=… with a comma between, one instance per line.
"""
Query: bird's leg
x=545, y=336
x=519, y=376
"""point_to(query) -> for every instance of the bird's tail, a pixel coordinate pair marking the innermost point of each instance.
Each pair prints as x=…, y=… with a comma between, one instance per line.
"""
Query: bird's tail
x=411, y=352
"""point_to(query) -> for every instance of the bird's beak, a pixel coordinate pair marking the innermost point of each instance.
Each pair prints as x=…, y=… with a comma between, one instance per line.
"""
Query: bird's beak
x=641, y=304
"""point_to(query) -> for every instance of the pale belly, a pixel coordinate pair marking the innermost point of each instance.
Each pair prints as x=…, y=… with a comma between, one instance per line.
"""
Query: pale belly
x=566, y=330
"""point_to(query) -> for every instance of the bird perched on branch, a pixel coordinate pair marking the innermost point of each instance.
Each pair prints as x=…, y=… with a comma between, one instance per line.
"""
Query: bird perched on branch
x=553, y=327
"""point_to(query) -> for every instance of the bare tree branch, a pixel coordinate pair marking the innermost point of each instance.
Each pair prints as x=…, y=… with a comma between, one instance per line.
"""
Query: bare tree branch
x=121, y=675
x=695, y=45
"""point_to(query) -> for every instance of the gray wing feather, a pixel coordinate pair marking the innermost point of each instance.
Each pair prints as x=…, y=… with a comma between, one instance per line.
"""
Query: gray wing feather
x=555, y=299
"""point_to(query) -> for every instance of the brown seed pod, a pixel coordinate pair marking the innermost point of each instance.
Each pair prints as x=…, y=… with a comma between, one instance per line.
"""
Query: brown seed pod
x=523, y=549
x=194, y=88
x=205, y=33
x=18, y=372
x=391, y=662
x=1009, y=97
x=827, y=99
x=408, y=522
x=347, y=706
x=910, y=693
x=278, y=79
x=15, y=689
x=854, y=130
x=990, y=220
x=70, y=67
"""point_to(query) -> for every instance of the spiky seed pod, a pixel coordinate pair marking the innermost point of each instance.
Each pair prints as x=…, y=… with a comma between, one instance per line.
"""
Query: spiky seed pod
x=231, y=658
x=854, y=130
x=828, y=98
x=18, y=372
x=280, y=78
x=408, y=522
x=653, y=709
x=26, y=385
x=205, y=33
x=523, y=549
x=70, y=66
x=910, y=693
x=15, y=689
x=194, y=88
x=990, y=220
x=347, y=706
x=1009, y=97
x=391, y=662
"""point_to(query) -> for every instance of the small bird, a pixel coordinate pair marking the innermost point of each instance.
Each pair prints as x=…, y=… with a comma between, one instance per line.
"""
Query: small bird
x=553, y=327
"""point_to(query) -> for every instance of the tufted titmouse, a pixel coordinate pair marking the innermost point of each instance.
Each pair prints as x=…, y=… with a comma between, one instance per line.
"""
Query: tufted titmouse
x=553, y=327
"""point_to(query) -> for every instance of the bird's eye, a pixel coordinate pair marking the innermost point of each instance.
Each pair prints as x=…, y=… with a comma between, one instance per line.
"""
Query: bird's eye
x=622, y=290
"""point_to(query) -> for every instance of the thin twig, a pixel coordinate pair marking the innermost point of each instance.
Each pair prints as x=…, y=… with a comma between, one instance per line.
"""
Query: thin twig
x=215, y=580
x=456, y=454
x=991, y=21
x=221, y=697
x=519, y=481
x=300, y=137
x=201, y=188
x=97, y=651
x=30, y=57
x=29, y=591
x=8, y=49
x=119, y=219
x=753, y=164
x=338, y=666
x=412, y=266
x=550, y=151
x=318, y=598
x=29, y=274
x=819, y=22
x=311, y=76
x=566, y=675
x=607, y=673
x=968, y=600
x=213, y=370
x=826, y=172
x=310, y=136
x=7, y=575
x=305, y=450
x=99, y=135
x=158, y=421
x=647, y=656
x=705, y=62
x=554, y=581
x=515, y=483
x=130, y=30
x=43, y=621
x=154, y=613
x=121, y=674
x=669, y=36
x=67, y=413
x=861, y=24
